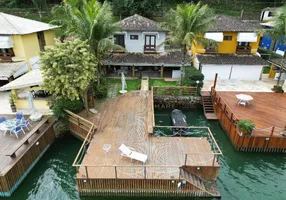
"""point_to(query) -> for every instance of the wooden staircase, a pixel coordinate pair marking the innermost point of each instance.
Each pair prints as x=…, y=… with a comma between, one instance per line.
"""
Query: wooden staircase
x=208, y=105
x=208, y=188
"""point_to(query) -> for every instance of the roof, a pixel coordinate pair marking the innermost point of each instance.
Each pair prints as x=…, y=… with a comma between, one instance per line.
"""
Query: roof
x=31, y=78
x=231, y=59
x=271, y=9
x=139, y=23
x=230, y=24
x=8, y=69
x=138, y=59
x=14, y=25
x=277, y=62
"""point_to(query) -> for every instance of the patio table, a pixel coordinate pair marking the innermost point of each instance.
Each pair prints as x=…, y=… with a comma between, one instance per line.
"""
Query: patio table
x=11, y=123
x=243, y=99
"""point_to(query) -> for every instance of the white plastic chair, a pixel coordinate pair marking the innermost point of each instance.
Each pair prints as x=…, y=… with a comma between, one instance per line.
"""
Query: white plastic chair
x=132, y=154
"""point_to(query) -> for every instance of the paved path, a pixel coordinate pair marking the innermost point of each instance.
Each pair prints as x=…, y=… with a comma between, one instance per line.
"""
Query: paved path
x=145, y=84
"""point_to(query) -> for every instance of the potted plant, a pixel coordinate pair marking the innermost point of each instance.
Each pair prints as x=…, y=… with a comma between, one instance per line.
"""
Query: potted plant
x=12, y=103
x=245, y=127
x=278, y=89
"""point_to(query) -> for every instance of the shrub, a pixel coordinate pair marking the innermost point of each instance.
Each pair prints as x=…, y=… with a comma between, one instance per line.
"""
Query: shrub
x=58, y=106
x=246, y=126
x=192, y=75
x=100, y=91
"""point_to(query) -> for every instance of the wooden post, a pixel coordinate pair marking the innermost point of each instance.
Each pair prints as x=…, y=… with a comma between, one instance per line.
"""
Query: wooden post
x=133, y=71
x=272, y=131
x=215, y=80
x=115, y=172
x=180, y=132
x=162, y=71
x=214, y=159
x=86, y=172
x=145, y=175
x=241, y=14
x=186, y=157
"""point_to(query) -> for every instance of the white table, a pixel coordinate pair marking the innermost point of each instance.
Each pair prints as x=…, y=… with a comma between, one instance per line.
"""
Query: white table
x=243, y=99
x=106, y=148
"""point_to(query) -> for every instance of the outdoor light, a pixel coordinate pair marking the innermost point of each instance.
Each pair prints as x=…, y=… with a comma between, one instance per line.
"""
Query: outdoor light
x=37, y=143
x=197, y=82
x=198, y=168
x=267, y=138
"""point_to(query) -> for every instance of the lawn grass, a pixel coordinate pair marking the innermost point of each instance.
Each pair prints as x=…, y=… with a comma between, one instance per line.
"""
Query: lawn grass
x=131, y=84
x=266, y=70
x=162, y=82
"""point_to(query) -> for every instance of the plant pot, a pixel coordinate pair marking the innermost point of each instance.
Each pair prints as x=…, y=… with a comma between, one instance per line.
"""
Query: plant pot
x=13, y=108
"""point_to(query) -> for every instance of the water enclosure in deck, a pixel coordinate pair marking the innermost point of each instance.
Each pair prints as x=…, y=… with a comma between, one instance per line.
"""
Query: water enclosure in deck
x=176, y=166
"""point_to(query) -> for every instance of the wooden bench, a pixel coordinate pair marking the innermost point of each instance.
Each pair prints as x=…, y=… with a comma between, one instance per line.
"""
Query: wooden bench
x=25, y=139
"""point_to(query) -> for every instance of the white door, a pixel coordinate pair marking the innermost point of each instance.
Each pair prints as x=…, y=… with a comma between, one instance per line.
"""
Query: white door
x=246, y=72
x=176, y=73
x=209, y=71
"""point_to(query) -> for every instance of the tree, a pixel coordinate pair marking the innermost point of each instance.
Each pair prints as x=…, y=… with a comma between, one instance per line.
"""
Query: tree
x=277, y=32
x=130, y=7
x=92, y=21
x=186, y=24
x=68, y=69
x=41, y=5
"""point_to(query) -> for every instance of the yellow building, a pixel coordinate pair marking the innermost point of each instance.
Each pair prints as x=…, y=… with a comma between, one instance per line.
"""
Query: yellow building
x=235, y=54
x=21, y=41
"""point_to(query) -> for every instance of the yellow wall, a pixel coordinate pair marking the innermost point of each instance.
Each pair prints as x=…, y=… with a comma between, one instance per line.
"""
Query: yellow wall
x=227, y=46
x=50, y=36
x=24, y=104
x=31, y=45
x=18, y=46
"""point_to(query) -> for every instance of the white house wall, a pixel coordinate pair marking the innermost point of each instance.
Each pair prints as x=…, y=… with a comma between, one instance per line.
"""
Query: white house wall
x=209, y=71
x=137, y=46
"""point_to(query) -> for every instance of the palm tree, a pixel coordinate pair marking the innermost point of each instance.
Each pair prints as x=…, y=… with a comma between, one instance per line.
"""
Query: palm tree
x=277, y=32
x=186, y=24
x=90, y=20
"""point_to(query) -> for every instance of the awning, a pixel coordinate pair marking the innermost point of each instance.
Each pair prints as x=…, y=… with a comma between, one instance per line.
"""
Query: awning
x=14, y=69
x=6, y=42
x=32, y=78
x=247, y=37
x=218, y=37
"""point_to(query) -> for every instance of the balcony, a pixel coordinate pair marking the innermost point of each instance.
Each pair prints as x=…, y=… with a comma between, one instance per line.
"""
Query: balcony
x=6, y=57
x=211, y=51
x=149, y=48
x=243, y=49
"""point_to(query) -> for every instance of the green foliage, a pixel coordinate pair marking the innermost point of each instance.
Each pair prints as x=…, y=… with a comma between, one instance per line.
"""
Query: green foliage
x=246, y=126
x=278, y=89
x=68, y=69
x=162, y=82
x=12, y=99
x=192, y=75
x=266, y=70
x=59, y=105
x=100, y=91
x=130, y=7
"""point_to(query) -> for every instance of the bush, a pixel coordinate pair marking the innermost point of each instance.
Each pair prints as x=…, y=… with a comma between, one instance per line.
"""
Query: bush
x=192, y=75
x=100, y=91
x=246, y=126
x=58, y=106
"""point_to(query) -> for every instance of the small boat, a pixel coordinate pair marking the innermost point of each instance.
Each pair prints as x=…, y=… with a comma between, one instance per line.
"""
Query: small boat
x=179, y=119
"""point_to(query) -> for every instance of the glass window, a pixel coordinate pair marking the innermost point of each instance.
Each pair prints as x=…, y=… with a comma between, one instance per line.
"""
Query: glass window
x=133, y=37
x=227, y=37
x=119, y=40
x=243, y=44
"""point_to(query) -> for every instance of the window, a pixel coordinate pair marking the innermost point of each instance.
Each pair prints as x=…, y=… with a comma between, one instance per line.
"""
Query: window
x=133, y=37
x=227, y=37
x=245, y=44
x=6, y=52
x=41, y=39
x=150, y=42
x=119, y=40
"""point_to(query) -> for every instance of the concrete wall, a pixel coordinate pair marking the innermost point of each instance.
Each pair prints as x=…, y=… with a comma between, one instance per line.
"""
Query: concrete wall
x=18, y=46
x=50, y=36
x=137, y=46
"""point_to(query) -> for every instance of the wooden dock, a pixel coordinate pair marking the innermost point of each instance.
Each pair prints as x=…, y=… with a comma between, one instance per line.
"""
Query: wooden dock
x=207, y=103
x=267, y=111
x=19, y=155
x=127, y=120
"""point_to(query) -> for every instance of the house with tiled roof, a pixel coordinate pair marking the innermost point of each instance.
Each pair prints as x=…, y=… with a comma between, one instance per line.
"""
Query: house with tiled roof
x=144, y=51
x=235, y=55
x=21, y=39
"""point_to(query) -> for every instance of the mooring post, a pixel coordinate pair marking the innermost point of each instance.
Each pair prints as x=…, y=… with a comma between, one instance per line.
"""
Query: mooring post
x=115, y=171
x=145, y=175
x=272, y=131
x=186, y=157
x=215, y=80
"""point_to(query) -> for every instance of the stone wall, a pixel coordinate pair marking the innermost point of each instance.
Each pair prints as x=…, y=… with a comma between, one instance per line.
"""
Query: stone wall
x=168, y=101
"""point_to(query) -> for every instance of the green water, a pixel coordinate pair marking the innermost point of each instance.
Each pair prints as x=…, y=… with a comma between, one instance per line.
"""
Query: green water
x=242, y=175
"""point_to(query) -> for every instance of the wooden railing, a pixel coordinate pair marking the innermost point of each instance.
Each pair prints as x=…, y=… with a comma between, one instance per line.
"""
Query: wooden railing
x=175, y=90
x=243, y=49
x=266, y=139
x=211, y=50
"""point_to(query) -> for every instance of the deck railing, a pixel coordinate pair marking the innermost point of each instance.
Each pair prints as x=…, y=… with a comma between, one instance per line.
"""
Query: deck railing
x=175, y=90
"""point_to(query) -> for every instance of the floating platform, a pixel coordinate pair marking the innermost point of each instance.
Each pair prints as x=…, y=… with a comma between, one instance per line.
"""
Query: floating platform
x=19, y=155
x=176, y=166
x=268, y=112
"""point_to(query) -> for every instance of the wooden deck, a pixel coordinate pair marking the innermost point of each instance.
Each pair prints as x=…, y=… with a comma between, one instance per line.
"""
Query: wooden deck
x=125, y=120
x=266, y=110
x=19, y=155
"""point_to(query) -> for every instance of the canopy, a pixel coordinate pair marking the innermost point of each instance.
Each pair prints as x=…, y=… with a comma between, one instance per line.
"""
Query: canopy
x=6, y=42
x=247, y=37
x=218, y=37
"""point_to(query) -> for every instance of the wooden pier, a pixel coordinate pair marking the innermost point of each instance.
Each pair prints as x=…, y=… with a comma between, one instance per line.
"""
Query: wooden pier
x=268, y=112
x=176, y=166
x=19, y=155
